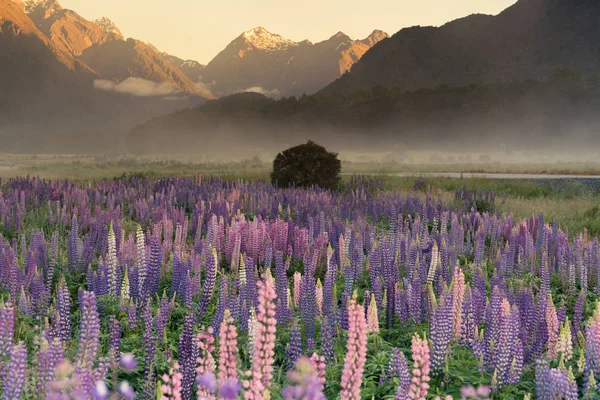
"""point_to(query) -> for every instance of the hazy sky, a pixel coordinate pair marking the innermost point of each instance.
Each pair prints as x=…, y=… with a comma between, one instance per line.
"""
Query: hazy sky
x=199, y=29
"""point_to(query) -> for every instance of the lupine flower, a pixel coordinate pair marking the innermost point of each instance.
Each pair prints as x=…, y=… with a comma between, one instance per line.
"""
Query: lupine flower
x=252, y=330
x=319, y=294
x=205, y=363
x=297, y=287
x=372, y=317
x=420, y=373
x=294, y=347
x=565, y=345
x=209, y=281
x=128, y=362
x=170, y=387
x=64, y=310
x=208, y=381
x=441, y=332
x=7, y=327
x=263, y=355
x=327, y=339
x=356, y=352
x=15, y=381
x=228, y=349
x=111, y=261
x=553, y=329
x=140, y=256
x=230, y=389
x=305, y=383
x=469, y=392
x=51, y=354
x=126, y=390
x=187, y=354
x=399, y=368
x=318, y=363
x=100, y=391
x=458, y=296
x=89, y=340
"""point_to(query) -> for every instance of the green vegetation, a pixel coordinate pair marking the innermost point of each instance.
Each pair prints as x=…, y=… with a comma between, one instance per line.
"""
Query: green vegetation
x=306, y=165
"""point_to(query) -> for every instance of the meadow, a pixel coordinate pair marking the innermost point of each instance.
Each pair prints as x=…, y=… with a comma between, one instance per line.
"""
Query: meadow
x=144, y=279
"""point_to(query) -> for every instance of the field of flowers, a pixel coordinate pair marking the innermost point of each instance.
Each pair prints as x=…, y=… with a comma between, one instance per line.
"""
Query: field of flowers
x=201, y=288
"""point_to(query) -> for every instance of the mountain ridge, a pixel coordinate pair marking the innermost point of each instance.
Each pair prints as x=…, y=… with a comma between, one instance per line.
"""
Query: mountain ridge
x=528, y=40
x=270, y=63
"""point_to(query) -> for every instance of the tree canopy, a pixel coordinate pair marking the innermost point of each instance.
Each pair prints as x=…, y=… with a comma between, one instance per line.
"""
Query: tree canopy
x=306, y=165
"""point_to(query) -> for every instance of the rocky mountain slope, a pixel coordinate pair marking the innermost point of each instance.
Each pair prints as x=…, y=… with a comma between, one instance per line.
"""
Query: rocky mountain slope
x=529, y=40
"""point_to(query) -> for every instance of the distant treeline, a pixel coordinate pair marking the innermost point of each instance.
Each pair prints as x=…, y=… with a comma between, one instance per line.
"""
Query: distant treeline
x=561, y=111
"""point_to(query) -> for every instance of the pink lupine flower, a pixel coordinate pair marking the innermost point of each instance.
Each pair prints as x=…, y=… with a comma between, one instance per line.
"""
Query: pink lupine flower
x=419, y=385
x=228, y=349
x=553, y=329
x=372, y=316
x=318, y=363
x=297, y=284
x=170, y=388
x=205, y=360
x=264, y=346
x=458, y=296
x=356, y=352
x=319, y=296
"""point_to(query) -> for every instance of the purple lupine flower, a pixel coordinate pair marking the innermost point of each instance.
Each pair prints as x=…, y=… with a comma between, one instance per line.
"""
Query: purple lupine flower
x=308, y=306
x=115, y=337
x=440, y=332
x=507, y=358
x=100, y=391
x=281, y=285
x=414, y=293
x=208, y=380
x=399, y=367
x=305, y=383
x=89, y=340
x=15, y=380
x=327, y=339
x=222, y=304
x=162, y=316
x=492, y=325
x=230, y=389
x=7, y=328
x=128, y=362
x=149, y=350
x=467, y=331
x=294, y=347
x=132, y=315
x=126, y=390
x=209, y=282
x=52, y=261
x=187, y=357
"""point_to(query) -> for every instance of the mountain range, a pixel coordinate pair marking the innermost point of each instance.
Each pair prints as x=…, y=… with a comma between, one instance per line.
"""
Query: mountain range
x=261, y=61
x=527, y=77
x=71, y=73
x=61, y=74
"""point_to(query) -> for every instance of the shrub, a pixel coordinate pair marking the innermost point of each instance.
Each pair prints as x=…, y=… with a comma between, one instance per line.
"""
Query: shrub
x=307, y=165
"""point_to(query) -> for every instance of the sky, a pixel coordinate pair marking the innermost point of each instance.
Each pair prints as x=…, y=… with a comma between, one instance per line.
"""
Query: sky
x=200, y=29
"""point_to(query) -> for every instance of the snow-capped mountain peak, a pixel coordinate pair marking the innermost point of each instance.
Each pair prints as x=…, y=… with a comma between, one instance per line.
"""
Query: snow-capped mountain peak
x=33, y=5
x=107, y=25
x=191, y=64
x=267, y=41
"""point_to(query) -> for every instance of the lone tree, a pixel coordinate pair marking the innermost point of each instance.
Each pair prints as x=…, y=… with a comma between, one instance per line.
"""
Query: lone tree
x=306, y=165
